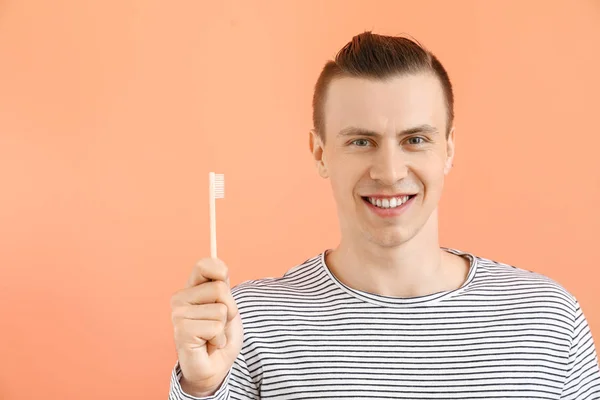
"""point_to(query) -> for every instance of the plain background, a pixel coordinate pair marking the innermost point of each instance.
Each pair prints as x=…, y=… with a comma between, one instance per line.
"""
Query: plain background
x=113, y=112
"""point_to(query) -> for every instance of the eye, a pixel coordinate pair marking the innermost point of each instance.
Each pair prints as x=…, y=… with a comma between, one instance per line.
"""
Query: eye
x=360, y=142
x=416, y=140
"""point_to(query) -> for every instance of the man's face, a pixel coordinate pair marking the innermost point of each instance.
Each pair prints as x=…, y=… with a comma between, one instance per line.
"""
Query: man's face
x=386, y=154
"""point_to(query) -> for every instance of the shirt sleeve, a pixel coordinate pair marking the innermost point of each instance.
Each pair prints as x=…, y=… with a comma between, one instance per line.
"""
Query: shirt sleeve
x=237, y=385
x=177, y=393
x=583, y=374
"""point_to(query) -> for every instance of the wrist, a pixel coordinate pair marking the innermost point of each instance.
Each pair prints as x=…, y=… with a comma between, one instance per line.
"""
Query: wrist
x=191, y=390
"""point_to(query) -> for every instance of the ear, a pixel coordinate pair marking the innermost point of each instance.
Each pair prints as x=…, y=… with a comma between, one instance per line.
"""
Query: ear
x=450, y=151
x=317, y=150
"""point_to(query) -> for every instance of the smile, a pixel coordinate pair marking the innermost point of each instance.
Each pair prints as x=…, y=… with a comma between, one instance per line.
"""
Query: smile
x=388, y=202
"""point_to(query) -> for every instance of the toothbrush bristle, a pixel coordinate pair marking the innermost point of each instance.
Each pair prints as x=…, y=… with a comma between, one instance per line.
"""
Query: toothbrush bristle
x=219, y=186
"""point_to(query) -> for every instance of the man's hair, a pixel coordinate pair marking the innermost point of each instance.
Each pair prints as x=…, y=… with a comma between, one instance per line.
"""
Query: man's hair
x=373, y=56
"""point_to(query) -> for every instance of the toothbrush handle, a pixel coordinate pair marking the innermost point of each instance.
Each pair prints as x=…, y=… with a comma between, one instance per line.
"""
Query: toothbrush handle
x=213, y=221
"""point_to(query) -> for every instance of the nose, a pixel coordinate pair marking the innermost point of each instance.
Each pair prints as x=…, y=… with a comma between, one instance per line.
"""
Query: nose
x=388, y=164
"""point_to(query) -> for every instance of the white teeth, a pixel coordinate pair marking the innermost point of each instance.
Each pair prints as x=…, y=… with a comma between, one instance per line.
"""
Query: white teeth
x=389, y=203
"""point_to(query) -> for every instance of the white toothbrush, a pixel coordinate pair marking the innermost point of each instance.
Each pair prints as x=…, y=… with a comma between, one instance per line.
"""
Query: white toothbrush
x=216, y=190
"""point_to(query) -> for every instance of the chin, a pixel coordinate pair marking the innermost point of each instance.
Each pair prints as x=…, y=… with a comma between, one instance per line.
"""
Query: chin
x=389, y=239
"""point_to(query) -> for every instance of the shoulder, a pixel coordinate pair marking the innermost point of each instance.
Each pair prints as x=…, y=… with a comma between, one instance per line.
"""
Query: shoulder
x=501, y=278
x=297, y=281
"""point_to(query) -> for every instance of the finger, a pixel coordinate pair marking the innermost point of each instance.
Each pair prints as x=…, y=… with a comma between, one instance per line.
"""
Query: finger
x=208, y=269
x=219, y=341
x=197, y=331
x=212, y=312
x=211, y=292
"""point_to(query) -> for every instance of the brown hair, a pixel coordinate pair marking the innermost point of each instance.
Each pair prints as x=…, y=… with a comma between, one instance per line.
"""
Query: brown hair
x=369, y=55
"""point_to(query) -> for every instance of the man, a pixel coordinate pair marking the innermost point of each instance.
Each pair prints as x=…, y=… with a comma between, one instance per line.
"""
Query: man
x=387, y=313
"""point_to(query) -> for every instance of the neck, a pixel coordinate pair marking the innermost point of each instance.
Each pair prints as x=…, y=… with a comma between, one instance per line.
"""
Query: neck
x=413, y=268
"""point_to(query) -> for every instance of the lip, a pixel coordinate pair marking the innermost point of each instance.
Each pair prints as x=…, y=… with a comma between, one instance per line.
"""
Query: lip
x=389, y=212
x=388, y=196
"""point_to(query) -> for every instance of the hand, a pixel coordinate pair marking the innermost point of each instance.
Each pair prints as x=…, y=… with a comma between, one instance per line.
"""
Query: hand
x=208, y=328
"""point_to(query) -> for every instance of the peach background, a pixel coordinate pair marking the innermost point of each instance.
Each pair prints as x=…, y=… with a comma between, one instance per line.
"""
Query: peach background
x=113, y=112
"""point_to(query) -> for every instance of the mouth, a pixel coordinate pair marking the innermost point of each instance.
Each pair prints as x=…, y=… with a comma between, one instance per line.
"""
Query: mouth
x=388, y=202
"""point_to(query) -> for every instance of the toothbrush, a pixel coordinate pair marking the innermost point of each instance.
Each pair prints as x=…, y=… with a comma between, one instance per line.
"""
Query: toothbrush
x=216, y=190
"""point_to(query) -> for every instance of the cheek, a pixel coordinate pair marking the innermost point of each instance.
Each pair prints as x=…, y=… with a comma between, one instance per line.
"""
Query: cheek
x=344, y=180
x=430, y=171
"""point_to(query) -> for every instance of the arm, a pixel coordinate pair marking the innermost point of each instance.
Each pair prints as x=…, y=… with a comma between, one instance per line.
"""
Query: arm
x=238, y=384
x=583, y=375
x=177, y=393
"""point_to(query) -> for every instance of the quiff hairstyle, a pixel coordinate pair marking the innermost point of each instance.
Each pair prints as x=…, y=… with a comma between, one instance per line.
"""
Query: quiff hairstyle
x=373, y=56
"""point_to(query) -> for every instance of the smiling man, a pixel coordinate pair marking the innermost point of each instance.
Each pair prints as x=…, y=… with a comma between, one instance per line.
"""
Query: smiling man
x=388, y=313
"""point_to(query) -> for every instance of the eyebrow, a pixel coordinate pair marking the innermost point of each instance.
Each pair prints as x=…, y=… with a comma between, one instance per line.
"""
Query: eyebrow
x=354, y=131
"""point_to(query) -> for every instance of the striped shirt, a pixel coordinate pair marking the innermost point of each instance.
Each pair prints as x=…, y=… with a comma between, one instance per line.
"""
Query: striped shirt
x=506, y=333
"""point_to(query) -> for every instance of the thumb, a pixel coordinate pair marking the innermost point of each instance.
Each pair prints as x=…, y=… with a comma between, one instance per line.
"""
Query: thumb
x=234, y=331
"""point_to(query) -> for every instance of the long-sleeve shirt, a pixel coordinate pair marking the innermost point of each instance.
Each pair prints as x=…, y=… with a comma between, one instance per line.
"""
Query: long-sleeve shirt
x=506, y=333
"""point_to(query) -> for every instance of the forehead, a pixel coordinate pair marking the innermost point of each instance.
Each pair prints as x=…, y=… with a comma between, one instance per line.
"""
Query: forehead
x=396, y=103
